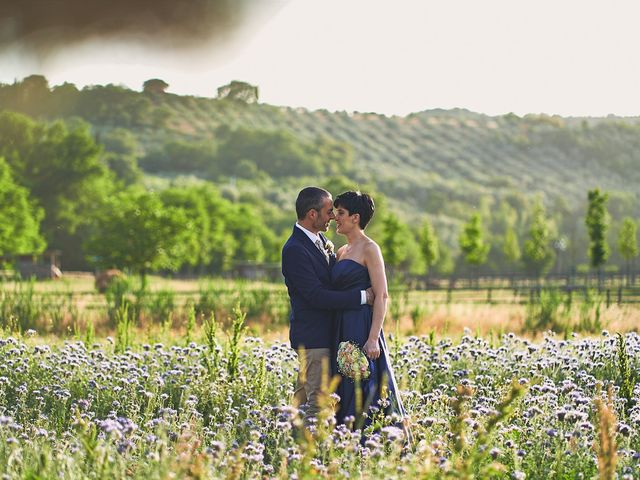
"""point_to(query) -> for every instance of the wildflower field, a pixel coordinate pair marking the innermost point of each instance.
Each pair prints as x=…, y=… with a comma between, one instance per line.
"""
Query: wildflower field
x=216, y=405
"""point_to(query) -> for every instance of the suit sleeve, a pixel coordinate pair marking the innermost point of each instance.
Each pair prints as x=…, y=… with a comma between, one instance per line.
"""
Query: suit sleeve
x=299, y=273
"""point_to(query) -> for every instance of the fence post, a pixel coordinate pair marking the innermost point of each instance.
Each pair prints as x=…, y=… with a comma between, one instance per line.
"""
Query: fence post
x=489, y=295
x=449, y=295
x=620, y=295
x=570, y=296
x=608, y=297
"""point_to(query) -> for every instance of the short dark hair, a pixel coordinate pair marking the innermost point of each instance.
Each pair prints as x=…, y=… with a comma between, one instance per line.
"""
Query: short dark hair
x=356, y=202
x=310, y=198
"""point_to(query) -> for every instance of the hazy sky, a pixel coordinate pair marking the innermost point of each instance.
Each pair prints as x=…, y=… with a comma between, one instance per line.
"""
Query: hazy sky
x=567, y=57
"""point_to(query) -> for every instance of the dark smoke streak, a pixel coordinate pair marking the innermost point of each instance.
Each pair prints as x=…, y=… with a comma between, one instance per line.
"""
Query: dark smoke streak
x=47, y=25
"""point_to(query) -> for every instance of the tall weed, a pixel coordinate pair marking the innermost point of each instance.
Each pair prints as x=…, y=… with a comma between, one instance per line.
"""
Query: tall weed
x=21, y=309
x=235, y=337
x=158, y=306
x=590, y=312
x=124, y=326
x=116, y=295
x=543, y=312
x=626, y=380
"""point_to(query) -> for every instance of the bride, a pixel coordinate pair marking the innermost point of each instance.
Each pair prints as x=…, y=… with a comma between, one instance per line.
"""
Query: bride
x=360, y=265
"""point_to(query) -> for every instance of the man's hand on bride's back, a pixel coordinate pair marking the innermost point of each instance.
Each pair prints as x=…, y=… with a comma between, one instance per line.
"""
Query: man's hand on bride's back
x=371, y=297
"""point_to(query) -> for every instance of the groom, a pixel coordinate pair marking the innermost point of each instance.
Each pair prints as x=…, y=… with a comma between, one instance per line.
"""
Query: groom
x=307, y=259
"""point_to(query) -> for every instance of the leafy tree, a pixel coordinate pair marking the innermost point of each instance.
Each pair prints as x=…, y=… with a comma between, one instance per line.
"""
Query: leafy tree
x=154, y=85
x=121, y=150
x=538, y=253
x=221, y=240
x=223, y=232
x=139, y=110
x=160, y=116
x=121, y=141
x=241, y=91
x=60, y=165
x=33, y=93
x=64, y=100
x=116, y=106
x=446, y=264
x=392, y=242
x=471, y=240
x=244, y=153
x=277, y=153
x=429, y=245
x=628, y=242
x=399, y=247
x=510, y=246
x=337, y=157
x=192, y=203
x=504, y=225
x=19, y=217
x=137, y=232
x=184, y=157
x=597, y=222
x=254, y=239
x=412, y=262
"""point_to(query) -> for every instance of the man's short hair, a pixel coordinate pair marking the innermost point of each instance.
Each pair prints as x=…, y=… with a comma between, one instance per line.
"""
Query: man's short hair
x=310, y=198
x=356, y=202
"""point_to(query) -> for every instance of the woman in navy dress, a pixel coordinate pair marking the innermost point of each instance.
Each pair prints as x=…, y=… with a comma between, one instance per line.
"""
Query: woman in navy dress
x=359, y=266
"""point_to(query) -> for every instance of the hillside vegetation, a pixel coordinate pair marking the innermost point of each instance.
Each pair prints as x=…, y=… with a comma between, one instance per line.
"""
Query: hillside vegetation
x=438, y=164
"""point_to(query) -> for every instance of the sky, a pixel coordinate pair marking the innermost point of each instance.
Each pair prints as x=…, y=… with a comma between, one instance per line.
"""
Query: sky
x=565, y=57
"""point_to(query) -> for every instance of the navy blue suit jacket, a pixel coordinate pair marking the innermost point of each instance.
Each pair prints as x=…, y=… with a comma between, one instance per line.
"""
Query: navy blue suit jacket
x=313, y=303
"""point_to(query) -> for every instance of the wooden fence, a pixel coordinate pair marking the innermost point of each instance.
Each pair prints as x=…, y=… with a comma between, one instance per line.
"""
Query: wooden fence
x=522, y=295
x=494, y=295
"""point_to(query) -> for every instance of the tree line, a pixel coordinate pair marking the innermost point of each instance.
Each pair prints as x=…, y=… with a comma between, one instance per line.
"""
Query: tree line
x=544, y=242
x=60, y=189
x=65, y=178
x=58, y=192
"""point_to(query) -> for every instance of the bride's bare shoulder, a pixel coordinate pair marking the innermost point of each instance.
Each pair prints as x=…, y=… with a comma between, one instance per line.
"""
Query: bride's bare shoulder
x=371, y=247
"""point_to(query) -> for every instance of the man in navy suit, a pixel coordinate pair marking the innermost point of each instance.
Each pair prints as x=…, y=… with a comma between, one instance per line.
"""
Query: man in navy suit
x=307, y=260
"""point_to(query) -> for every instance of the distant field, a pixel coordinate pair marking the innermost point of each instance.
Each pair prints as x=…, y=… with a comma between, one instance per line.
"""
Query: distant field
x=61, y=307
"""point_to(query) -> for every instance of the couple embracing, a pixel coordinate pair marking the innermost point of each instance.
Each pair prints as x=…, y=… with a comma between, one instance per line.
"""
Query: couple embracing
x=337, y=297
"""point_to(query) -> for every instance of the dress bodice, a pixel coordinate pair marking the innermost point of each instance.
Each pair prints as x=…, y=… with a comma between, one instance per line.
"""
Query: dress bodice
x=348, y=274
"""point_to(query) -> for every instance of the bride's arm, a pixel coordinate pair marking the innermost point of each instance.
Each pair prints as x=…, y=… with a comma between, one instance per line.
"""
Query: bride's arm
x=375, y=265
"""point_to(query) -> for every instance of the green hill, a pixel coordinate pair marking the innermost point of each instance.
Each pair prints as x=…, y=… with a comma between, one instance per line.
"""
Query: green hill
x=440, y=163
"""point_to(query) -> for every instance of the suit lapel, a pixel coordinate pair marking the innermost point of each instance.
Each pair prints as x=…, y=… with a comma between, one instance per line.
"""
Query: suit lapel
x=309, y=245
x=332, y=255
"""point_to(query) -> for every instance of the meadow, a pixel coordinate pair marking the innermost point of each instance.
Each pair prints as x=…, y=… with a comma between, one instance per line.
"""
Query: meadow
x=207, y=396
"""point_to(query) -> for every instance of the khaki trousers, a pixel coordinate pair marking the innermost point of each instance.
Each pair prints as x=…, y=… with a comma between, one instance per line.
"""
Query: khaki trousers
x=314, y=367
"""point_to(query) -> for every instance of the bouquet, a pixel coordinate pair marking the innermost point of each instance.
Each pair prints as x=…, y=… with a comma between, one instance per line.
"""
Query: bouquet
x=352, y=362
